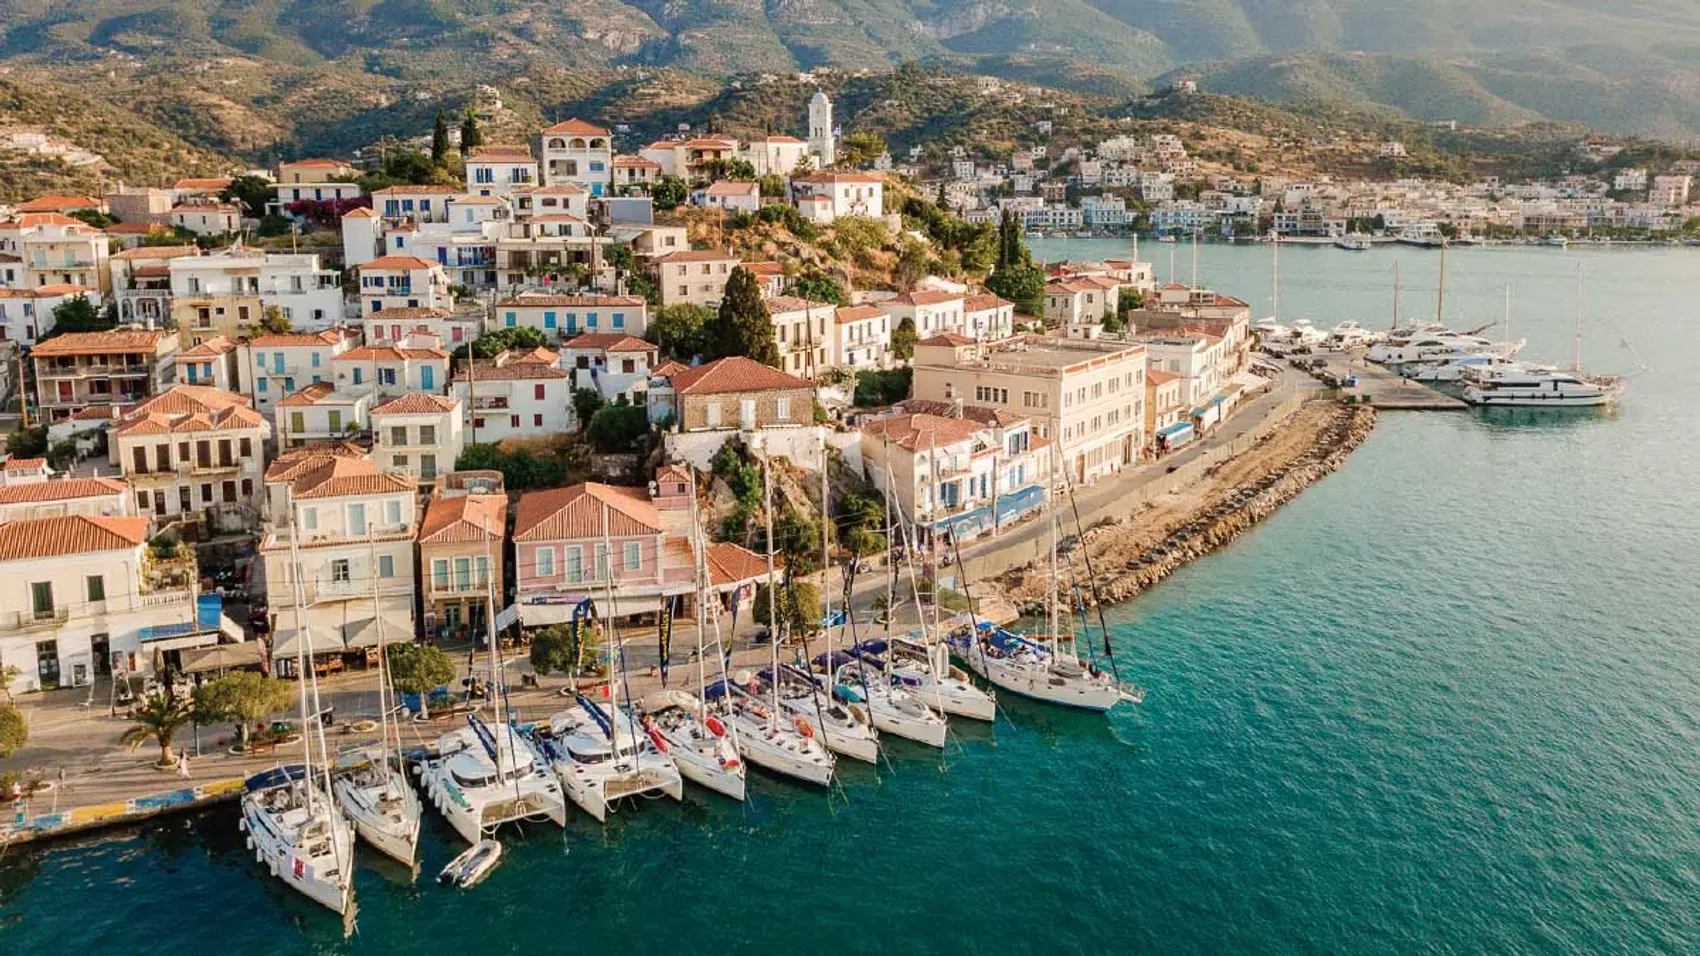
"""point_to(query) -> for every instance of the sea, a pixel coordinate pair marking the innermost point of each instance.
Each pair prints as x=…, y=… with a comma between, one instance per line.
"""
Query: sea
x=1446, y=701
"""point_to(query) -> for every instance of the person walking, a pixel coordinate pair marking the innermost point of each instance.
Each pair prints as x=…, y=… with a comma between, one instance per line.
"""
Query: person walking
x=183, y=765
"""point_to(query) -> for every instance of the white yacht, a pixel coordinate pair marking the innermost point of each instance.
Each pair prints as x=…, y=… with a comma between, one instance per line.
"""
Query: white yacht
x=482, y=776
x=700, y=743
x=767, y=737
x=1349, y=335
x=844, y=726
x=375, y=795
x=891, y=705
x=1452, y=366
x=1032, y=668
x=1421, y=347
x=1352, y=242
x=603, y=756
x=1528, y=386
x=295, y=828
x=927, y=672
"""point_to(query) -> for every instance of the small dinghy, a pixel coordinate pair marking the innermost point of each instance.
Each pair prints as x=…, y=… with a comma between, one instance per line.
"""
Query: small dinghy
x=472, y=866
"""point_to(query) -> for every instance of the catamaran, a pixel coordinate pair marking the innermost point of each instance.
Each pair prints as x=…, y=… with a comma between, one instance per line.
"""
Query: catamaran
x=293, y=825
x=485, y=775
x=370, y=786
x=703, y=747
x=604, y=755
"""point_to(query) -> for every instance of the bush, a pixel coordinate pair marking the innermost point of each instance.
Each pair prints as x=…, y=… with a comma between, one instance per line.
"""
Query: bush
x=521, y=471
x=27, y=442
x=876, y=389
x=14, y=732
x=617, y=428
x=798, y=605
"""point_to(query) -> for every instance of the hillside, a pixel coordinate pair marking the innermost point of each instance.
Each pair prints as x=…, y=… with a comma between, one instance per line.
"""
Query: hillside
x=1627, y=67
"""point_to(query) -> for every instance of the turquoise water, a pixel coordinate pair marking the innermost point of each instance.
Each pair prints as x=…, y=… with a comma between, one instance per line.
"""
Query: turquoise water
x=1445, y=701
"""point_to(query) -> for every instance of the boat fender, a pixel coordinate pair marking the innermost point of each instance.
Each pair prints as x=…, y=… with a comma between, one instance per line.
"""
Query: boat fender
x=715, y=727
x=804, y=727
x=659, y=741
x=857, y=712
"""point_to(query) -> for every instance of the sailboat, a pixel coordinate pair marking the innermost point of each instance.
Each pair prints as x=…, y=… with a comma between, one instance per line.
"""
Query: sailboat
x=1045, y=667
x=703, y=747
x=488, y=774
x=768, y=736
x=369, y=785
x=293, y=826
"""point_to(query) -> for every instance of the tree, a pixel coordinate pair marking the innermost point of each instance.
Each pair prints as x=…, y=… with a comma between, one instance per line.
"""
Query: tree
x=252, y=192
x=681, y=331
x=274, y=322
x=552, y=650
x=420, y=669
x=879, y=388
x=79, y=315
x=8, y=674
x=158, y=718
x=819, y=287
x=859, y=149
x=95, y=218
x=586, y=403
x=617, y=428
x=471, y=137
x=244, y=697
x=743, y=326
x=27, y=442
x=440, y=139
x=669, y=192
x=903, y=339
x=14, y=733
x=772, y=186
x=798, y=605
x=519, y=338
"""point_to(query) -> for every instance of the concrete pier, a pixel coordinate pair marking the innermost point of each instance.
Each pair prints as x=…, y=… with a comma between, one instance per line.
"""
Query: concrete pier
x=1384, y=389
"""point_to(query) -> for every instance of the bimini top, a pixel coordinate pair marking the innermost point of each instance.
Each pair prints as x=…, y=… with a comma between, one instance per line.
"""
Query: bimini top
x=275, y=777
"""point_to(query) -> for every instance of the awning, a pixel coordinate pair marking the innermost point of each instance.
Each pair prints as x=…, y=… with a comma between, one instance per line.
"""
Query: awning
x=222, y=657
x=171, y=637
x=544, y=610
x=344, y=625
x=1175, y=430
x=364, y=633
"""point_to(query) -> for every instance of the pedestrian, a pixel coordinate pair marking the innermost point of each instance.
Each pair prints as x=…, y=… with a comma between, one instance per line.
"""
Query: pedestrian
x=183, y=765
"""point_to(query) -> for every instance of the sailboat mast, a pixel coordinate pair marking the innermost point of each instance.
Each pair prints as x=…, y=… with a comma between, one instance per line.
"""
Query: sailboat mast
x=1275, y=268
x=891, y=572
x=303, y=660
x=826, y=561
x=1507, y=320
x=1051, y=622
x=772, y=588
x=616, y=657
x=702, y=593
x=1440, y=296
x=1576, y=358
x=1395, y=295
x=378, y=619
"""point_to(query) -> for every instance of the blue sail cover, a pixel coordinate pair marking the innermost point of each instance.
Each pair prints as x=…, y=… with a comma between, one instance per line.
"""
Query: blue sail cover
x=597, y=714
x=275, y=777
x=485, y=737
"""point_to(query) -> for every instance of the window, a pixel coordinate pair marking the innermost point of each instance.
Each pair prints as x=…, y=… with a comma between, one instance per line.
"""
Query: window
x=537, y=421
x=333, y=420
x=463, y=573
x=310, y=519
x=510, y=319
x=386, y=565
x=546, y=562
x=537, y=391
x=339, y=570
x=785, y=409
x=634, y=556
x=41, y=598
x=206, y=493
x=297, y=421
x=482, y=563
x=392, y=512
x=440, y=574
x=97, y=587
x=513, y=421
x=427, y=434
x=357, y=518
x=398, y=461
x=398, y=435
x=428, y=467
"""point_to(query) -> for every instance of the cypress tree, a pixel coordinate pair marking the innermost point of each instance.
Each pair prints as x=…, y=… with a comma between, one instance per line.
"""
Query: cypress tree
x=470, y=135
x=743, y=326
x=440, y=140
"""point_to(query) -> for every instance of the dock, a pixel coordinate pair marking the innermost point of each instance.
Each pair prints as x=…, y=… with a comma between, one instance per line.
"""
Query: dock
x=1384, y=389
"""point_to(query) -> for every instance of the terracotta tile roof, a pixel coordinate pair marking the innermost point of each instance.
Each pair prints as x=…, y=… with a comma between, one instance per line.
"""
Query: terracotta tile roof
x=30, y=220
x=835, y=178
x=218, y=183
x=60, y=489
x=502, y=153
x=923, y=298
x=697, y=255
x=729, y=563
x=189, y=408
x=151, y=272
x=556, y=189
x=342, y=477
x=582, y=511
x=417, y=403
x=311, y=395
x=489, y=371
x=24, y=464
x=203, y=206
x=297, y=460
x=526, y=301
x=857, y=313
x=635, y=162
x=42, y=291
x=1159, y=377
x=478, y=201
x=734, y=374
x=58, y=204
x=951, y=339
x=360, y=212
x=464, y=519
x=608, y=342
x=765, y=269
x=36, y=538
x=669, y=369
x=577, y=127
x=297, y=339
x=134, y=229
x=217, y=345
x=984, y=303
x=917, y=431
x=984, y=414
x=410, y=312
x=420, y=190
x=101, y=343
x=396, y=262
x=557, y=217
x=387, y=353
x=784, y=304
x=536, y=356
x=733, y=189
x=777, y=139
x=315, y=164
x=674, y=472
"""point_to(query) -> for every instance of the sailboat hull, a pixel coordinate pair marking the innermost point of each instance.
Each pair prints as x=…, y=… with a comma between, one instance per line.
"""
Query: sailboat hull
x=1042, y=684
x=396, y=835
x=323, y=876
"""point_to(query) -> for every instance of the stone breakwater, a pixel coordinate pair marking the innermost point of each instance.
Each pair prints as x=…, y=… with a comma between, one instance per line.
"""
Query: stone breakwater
x=1132, y=554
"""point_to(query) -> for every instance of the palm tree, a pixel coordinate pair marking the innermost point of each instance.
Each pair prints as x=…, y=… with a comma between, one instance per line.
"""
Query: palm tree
x=159, y=717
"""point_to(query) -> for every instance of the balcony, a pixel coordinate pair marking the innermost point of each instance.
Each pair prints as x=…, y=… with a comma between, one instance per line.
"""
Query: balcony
x=470, y=587
x=34, y=620
x=494, y=403
x=168, y=598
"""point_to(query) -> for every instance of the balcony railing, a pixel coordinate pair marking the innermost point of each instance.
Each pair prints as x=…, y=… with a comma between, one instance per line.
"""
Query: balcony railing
x=167, y=598
x=474, y=586
x=34, y=620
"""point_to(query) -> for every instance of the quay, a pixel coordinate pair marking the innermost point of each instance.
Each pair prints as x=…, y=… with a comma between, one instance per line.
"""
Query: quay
x=1385, y=390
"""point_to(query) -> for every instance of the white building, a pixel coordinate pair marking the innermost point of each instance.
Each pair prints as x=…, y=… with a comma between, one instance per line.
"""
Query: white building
x=823, y=197
x=276, y=366
x=418, y=435
x=194, y=452
x=931, y=312
x=416, y=364
x=730, y=196
x=864, y=337
x=514, y=396
x=499, y=170
x=403, y=282
x=570, y=315
x=614, y=365
x=207, y=218
x=775, y=155
x=823, y=136
x=966, y=475
x=394, y=326
x=578, y=153
x=308, y=295
x=53, y=498
x=319, y=413
x=26, y=314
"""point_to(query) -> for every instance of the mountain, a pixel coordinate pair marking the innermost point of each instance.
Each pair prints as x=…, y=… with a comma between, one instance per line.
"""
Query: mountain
x=1625, y=66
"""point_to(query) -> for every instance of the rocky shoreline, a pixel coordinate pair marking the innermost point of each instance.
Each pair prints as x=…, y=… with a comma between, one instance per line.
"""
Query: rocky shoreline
x=1132, y=554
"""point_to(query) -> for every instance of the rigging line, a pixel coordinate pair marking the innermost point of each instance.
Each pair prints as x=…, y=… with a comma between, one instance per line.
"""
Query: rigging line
x=1086, y=556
